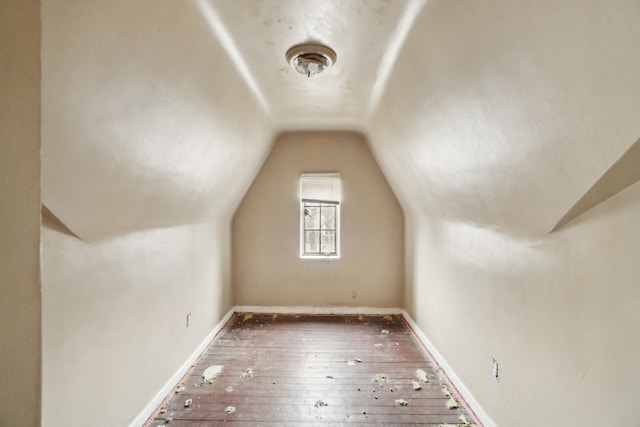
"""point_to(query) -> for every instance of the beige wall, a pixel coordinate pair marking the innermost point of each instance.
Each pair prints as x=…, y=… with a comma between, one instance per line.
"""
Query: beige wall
x=20, y=337
x=115, y=312
x=267, y=269
x=145, y=156
x=496, y=120
x=559, y=314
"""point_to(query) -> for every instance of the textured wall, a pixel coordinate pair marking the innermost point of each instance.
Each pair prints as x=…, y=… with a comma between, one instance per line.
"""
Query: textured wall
x=497, y=119
x=557, y=313
x=115, y=316
x=142, y=129
x=20, y=338
x=267, y=269
x=146, y=153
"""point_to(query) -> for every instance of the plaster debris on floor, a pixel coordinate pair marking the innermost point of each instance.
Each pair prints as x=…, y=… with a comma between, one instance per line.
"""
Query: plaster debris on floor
x=380, y=379
x=180, y=388
x=385, y=332
x=444, y=388
x=321, y=403
x=422, y=376
x=247, y=316
x=402, y=402
x=452, y=403
x=211, y=373
x=416, y=385
x=388, y=318
x=464, y=422
x=248, y=373
x=188, y=403
x=230, y=410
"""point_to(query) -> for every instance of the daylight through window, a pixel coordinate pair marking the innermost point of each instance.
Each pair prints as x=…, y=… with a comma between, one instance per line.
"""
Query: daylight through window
x=320, y=195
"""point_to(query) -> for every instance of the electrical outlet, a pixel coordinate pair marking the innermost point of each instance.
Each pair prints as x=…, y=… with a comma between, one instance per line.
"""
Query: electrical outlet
x=494, y=369
x=188, y=319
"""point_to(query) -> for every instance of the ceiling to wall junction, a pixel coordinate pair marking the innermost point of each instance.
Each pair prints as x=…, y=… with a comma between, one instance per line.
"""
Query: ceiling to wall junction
x=158, y=113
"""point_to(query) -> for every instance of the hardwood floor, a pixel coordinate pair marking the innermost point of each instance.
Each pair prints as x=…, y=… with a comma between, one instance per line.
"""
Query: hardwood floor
x=293, y=370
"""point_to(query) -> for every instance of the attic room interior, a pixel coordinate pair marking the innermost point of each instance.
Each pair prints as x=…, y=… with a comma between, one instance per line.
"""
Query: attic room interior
x=151, y=163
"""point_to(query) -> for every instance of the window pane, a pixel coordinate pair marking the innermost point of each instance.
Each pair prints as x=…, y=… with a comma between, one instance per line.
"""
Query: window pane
x=329, y=217
x=311, y=242
x=311, y=217
x=328, y=242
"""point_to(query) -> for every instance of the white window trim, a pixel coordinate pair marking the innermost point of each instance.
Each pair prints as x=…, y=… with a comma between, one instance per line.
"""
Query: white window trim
x=321, y=194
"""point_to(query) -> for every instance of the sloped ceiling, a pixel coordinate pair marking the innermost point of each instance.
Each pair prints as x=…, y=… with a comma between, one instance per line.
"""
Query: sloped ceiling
x=503, y=115
x=145, y=121
x=157, y=113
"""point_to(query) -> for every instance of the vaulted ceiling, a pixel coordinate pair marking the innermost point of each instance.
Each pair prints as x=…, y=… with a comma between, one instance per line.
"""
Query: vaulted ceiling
x=158, y=113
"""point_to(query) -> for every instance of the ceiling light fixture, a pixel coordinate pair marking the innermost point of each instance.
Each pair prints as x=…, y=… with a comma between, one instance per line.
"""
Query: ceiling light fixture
x=310, y=59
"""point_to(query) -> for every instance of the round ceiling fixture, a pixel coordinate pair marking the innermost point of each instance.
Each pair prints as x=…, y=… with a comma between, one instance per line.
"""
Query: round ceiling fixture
x=310, y=59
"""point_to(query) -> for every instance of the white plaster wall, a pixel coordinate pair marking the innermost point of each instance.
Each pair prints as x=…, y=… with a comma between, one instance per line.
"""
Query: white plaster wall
x=150, y=137
x=20, y=320
x=267, y=269
x=496, y=120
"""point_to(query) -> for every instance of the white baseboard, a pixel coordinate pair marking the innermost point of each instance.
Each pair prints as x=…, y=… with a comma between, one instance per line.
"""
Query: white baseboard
x=157, y=400
x=464, y=392
x=315, y=310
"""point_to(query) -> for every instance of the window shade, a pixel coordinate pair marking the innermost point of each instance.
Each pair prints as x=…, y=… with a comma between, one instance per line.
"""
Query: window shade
x=320, y=187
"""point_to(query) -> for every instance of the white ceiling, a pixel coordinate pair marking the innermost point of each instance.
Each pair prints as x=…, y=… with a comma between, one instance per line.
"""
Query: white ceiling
x=159, y=112
x=366, y=35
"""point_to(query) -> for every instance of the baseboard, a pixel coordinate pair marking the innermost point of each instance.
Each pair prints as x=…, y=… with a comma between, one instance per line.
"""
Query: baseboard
x=482, y=416
x=157, y=400
x=315, y=310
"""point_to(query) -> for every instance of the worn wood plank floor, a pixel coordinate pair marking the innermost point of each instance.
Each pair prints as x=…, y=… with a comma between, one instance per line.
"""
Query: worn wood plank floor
x=292, y=370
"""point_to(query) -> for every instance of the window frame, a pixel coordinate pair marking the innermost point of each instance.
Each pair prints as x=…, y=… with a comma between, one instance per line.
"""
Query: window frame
x=303, y=230
x=320, y=188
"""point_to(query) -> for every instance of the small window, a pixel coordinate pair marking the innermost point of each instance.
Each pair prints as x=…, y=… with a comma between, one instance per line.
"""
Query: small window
x=320, y=195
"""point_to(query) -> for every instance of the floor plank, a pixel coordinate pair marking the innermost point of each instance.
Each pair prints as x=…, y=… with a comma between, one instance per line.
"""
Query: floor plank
x=294, y=370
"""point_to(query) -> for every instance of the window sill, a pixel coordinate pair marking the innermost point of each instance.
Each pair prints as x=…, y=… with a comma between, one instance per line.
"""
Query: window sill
x=319, y=257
